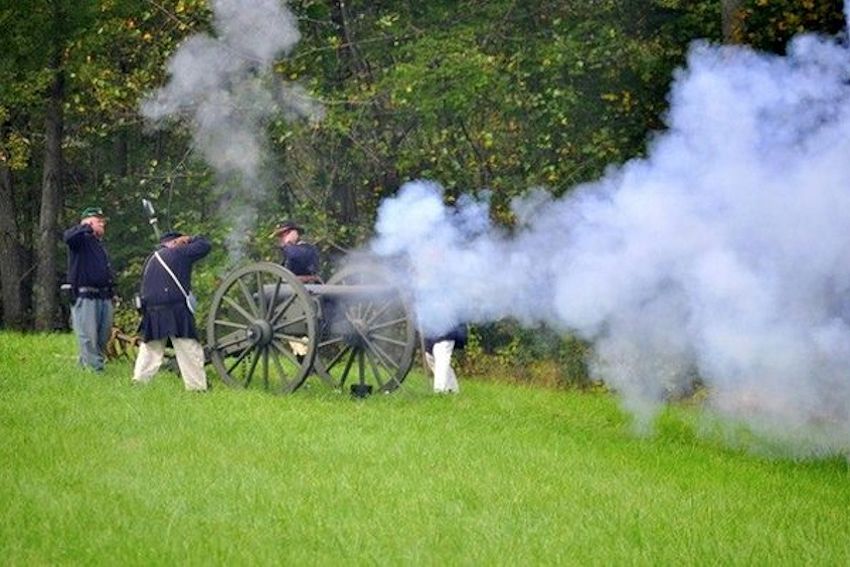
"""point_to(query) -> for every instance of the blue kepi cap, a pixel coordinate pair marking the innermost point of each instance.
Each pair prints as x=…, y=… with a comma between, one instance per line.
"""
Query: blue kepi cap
x=170, y=235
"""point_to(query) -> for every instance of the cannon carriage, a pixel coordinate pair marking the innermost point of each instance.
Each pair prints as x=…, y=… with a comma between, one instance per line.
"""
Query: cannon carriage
x=267, y=329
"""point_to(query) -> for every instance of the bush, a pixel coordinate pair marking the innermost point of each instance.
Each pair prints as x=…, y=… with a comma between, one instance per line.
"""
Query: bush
x=539, y=356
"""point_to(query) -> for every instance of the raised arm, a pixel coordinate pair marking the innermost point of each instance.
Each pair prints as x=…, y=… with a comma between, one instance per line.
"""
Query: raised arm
x=76, y=235
x=197, y=247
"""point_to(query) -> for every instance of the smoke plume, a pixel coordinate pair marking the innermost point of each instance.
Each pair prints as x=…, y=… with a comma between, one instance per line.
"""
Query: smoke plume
x=224, y=87
x=724, y=254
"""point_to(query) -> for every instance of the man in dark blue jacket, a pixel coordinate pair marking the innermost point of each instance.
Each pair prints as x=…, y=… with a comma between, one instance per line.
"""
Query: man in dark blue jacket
x=300, y=258
x=438, y=356
x=92, y=287
x=166, y=310
x=297, y=256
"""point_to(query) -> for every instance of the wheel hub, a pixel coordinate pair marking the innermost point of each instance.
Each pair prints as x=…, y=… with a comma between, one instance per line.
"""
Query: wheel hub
x=357, y=332
x=260, y=331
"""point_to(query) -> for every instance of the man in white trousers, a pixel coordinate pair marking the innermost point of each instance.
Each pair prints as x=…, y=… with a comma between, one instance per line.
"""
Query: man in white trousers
x=167, y=310
x=438, y=356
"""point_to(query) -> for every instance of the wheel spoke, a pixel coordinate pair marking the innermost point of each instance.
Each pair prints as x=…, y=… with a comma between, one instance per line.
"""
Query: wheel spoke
x=280, y=370
x=273, y=301
x=382, y=362
x=347, y=368
x=388, y=339
x=365, y=308
x=374, y=367
x=379, y=351
x=230, y=324
x=239, y=359
x=251, y=370
x=281, y=309
x=379, y=312
x=337, y=357
x=290, y=323
x=245, y=315
x=329, y=342
x=261, y=300
x=231, y=342
x=247, y=293
x=361, y=370
x=386, y=324
x=295, y=338
x=289, y=356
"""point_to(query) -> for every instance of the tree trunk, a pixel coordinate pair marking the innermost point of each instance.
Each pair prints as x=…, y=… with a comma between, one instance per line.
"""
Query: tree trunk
x=349, y=64
x=730, y=13
x=122, y=136
x=44, y=287
x=349, y=61
x=10, y=259
x=121, y=147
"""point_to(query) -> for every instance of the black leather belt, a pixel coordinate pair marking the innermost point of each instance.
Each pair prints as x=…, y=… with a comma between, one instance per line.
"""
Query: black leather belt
x=88, y=292
x=87, y=289
x=164, y=306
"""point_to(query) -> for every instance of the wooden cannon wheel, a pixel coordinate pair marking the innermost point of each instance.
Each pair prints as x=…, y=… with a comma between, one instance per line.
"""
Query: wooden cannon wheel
x=365, y=339
x=262, y=329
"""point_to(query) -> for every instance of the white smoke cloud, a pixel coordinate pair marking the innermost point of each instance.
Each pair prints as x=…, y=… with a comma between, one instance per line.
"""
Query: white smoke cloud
x=724, y=254
x=223, y=86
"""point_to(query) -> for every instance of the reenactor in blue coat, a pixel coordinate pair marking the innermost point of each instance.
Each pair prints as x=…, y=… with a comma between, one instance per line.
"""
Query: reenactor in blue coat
x=168, y=310
x=438, y=356
x=300, y=258
x=297, y=256
x=92, y=287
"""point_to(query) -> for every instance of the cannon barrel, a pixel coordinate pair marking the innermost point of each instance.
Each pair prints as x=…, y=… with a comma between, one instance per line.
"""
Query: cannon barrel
x=358, y=291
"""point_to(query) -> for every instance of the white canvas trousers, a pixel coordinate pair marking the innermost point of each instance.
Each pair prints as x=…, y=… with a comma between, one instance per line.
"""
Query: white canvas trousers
x=440, y=364
x=190, y=359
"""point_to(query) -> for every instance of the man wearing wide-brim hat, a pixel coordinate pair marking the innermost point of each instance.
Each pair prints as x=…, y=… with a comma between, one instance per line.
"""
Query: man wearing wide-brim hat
x=297, y=256
x=92, y=286
x=300, y=258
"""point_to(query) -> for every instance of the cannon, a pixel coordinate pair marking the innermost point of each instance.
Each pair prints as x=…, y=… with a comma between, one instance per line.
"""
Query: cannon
x=269, y=330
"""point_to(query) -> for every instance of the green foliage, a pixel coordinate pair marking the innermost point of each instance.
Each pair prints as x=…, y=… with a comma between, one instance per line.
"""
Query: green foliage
x=498, y=96
x=122, y=56
x=770, y=24
x=24, y=76
x=539, y=355
x=503, y=98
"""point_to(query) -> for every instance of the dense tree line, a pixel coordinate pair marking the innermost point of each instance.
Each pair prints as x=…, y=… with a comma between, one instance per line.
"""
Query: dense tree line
x=493, y=95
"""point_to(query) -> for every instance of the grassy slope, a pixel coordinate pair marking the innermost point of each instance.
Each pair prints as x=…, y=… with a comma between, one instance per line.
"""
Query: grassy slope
x=96, y=471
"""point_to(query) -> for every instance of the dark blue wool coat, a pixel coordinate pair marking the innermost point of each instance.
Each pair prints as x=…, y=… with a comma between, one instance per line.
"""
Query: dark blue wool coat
x=301, y=259
x=88, y=263
x=458, y=334
x=164, y=310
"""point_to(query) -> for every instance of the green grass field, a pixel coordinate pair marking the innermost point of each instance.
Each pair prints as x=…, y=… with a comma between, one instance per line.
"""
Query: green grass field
x=95, y=471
